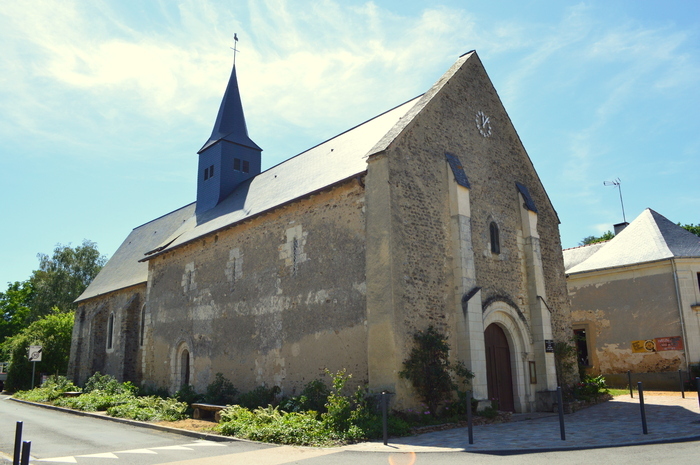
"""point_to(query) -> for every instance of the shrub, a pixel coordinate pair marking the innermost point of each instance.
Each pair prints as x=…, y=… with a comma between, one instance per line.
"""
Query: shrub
x=188, y=395
x=313, y=397
x=259, y=397
x=221, y=391
x=430, y=371
x=150, y=408
x=52, y=389
x=94, y=401
x=590, y=388
x=109, y=385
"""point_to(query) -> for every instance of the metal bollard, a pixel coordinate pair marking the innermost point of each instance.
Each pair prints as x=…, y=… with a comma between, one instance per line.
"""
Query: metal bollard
x=18, y=443
x=641, y=406
x=470, y=425
x=26, y=447
x=680, y=378
x=697, y=388
x=385, y=420
x=629, y=382
x=560, y=404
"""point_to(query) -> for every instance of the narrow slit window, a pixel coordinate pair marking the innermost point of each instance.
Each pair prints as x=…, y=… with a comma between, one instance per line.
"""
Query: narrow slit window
x=246, y=166
x=236, y=164
x=211, y=171
x=206, y=173
x=495, y=238
x=110, y=331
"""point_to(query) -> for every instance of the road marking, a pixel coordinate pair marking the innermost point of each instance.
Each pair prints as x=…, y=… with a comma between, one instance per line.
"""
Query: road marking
x=152, y=450
x=136, y=451
x=171, y=448
x=205, y=444
x=104, y=455
x=59, y=459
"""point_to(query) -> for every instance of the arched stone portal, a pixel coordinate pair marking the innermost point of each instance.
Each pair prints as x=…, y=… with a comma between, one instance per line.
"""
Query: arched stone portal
x=498, y=367
x=514, y=339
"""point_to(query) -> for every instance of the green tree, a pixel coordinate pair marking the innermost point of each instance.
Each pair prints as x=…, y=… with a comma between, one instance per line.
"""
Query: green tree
x=693, y=228
x=14, y=308
x=53, y=333
x=429, y=369
x=593, y=239
x=62, y=277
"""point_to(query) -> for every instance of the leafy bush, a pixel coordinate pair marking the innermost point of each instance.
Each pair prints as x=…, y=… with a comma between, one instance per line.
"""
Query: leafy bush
x=269, y=424
x=188, y=395
x=94, y=401
x=150, y=408
x=430, y=371
x=590, y=388
x=313, y=397
x=259, y=397
x=108, y=384
x=221, y=391
x=345, y=419
x=52, y=389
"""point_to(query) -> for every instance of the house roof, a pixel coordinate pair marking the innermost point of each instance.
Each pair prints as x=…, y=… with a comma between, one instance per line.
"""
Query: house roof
x=124, y=269
x=650, y=237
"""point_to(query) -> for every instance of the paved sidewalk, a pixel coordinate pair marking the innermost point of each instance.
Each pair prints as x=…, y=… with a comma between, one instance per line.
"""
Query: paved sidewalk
x=613, y=423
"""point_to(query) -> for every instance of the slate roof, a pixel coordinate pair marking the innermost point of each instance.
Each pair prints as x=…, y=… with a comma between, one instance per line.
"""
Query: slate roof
x=124, y=269
x=335, y=160
x=650, y=237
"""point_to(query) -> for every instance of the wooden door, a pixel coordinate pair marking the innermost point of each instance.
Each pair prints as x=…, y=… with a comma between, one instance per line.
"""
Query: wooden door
x=498, y=373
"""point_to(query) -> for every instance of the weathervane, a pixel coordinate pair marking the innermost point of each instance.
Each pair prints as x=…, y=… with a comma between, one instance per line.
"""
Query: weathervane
x=235, y=38
x=617, y=183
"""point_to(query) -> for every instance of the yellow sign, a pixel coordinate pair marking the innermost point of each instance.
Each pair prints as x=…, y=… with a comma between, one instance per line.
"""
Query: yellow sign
x=643, y=346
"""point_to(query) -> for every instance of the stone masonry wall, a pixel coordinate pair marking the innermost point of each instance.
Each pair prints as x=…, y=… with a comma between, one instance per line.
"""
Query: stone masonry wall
x=271, y=301
x=420, y=231
x=89, y=351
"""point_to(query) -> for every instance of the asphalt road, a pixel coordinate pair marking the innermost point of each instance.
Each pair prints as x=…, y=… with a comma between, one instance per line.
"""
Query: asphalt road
x=59, y=437
x=56, y=434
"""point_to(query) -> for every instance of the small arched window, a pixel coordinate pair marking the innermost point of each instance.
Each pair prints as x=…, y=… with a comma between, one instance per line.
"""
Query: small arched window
x=184, y=368
x=495, y=239
x=110, y=331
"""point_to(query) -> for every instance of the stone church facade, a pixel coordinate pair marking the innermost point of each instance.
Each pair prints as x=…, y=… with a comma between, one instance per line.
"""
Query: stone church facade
x=428, y=214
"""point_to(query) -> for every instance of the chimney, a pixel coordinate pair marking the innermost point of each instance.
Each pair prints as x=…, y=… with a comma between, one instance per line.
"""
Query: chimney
x=619, y=227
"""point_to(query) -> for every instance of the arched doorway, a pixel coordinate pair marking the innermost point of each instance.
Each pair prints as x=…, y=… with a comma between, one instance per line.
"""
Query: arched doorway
x=498, y=370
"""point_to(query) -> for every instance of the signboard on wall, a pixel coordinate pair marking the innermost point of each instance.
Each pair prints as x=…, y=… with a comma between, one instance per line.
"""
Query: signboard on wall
x=658, y=344
x=669, y=343
x=643, y=346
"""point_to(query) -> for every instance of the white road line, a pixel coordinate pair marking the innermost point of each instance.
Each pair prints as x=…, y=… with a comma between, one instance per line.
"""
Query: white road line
x=104, y=455
x=136, y=451
x=171, y=448
x=58, y=459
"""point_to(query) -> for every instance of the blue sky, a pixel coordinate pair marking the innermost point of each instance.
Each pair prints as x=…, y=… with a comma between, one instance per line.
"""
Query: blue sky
x=104, y=104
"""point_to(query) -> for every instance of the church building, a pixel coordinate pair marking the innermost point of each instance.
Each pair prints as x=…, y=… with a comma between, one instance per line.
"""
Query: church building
x=430, y=213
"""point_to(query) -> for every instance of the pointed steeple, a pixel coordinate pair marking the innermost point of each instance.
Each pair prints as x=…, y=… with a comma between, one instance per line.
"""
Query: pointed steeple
x=230, y=122
x=229, y=157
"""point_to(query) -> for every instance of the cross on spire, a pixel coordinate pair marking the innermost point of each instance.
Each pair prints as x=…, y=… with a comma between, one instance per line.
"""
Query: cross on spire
x=235, y=39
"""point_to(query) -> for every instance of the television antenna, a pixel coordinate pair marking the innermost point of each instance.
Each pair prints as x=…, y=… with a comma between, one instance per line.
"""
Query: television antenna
x=617, y=183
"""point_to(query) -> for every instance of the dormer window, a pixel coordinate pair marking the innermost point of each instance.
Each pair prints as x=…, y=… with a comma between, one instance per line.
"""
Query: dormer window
x=209, y=172
x=495, y=239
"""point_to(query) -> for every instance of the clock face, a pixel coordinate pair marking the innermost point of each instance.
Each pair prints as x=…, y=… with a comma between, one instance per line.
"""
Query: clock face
x=483, y=124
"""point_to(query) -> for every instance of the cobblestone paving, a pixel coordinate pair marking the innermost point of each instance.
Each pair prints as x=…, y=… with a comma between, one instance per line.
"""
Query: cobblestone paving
x=614, y=423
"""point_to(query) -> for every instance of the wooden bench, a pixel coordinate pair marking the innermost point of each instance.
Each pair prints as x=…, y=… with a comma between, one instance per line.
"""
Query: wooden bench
x=201, y=410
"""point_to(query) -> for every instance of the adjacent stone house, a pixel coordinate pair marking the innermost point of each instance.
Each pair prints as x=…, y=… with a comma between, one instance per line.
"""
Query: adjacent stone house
x=635, y=302
x=428, y=214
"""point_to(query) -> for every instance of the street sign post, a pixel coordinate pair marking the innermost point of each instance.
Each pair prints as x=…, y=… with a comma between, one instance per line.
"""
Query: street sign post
x=34, y=356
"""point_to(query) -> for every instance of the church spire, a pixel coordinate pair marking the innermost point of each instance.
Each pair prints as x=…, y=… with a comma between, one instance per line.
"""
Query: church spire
x=230, y=122
x=229, y=157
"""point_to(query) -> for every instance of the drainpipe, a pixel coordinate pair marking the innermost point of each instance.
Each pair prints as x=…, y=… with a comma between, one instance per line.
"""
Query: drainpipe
x=680, y=312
